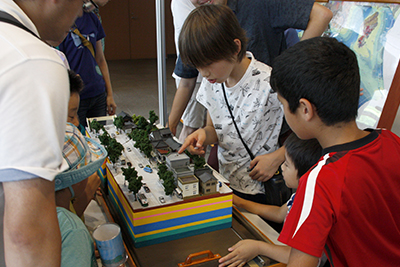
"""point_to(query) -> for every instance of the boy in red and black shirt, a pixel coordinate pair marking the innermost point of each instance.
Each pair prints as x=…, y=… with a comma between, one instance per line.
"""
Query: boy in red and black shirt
x=348, y=204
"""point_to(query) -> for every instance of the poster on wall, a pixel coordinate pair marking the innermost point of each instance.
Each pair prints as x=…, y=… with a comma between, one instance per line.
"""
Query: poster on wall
x=372, y=31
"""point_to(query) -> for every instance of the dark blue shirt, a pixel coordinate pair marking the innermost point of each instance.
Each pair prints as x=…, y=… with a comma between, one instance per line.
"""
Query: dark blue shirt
x=81, y=59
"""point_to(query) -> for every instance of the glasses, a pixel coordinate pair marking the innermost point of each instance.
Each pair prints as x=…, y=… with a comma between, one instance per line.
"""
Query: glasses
x=89, y=6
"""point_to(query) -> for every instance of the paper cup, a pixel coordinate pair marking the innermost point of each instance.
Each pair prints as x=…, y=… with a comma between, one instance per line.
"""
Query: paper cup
x=110, y=245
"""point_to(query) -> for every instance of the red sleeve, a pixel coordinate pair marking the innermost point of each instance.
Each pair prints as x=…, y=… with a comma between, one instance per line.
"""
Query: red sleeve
x=312, y=215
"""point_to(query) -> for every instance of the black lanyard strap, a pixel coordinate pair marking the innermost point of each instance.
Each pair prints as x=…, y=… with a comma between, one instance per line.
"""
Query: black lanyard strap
x=234, y=123
x=5, y=17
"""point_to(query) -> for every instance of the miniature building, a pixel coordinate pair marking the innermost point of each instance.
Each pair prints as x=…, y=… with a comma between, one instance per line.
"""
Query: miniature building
x=161, y=149
x=175, y=160
x=128, y=122
x=125, y=116
x=181, y=172
x=208, y=183
x=164, y=137
x=189, y=186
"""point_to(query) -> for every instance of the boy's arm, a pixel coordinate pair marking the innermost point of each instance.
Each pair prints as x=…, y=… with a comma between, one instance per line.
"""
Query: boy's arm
x=301, y=259
x=81, y=202
x=101, y=61
x=246, y=250
x=320, y=17
x=31, y=231
x=181, y=99
x=268, y=212
x=200, y=139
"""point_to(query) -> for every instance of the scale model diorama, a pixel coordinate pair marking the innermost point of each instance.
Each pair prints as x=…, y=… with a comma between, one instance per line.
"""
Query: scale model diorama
x=160, y=194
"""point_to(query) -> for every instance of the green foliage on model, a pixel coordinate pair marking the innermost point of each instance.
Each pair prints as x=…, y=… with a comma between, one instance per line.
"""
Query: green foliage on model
x=114, y=150
x=135, y=118
x=96, y=126
x=142, y=141
x=113, y=147
x=141, y=134
x=119, y=122
x=168, y=179
x=169, y=184
x=105, y=139
x=199, y=162
x=129, y=173
x=135, y=184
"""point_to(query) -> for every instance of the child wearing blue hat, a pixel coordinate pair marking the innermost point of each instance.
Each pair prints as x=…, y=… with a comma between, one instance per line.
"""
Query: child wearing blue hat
x=84, y=157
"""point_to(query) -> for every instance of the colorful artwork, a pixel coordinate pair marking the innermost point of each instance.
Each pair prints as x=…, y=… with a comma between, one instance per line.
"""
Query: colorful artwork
x=373, y=33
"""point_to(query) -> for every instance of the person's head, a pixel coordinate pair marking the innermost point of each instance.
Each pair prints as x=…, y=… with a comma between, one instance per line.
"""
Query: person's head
x=320, y=75
x=210, y=36
x=76, y=86
x=53, y=19
x=300, y=156
x=84, y=157
x=198, y=3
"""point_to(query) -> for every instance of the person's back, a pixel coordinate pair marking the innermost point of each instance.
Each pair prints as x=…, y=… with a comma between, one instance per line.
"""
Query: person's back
x=349, y=202
x=33, y=107
x=74, y=234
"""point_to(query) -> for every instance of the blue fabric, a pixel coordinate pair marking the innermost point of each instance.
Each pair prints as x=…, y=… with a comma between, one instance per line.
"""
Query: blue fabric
x=80, y=58
x=77, y=243
x=265, y=23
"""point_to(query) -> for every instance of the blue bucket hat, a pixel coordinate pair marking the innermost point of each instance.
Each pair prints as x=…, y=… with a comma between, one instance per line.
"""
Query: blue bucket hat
x=83, y=155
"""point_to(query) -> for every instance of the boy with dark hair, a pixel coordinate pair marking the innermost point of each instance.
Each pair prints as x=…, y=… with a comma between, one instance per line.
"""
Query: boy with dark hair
x=81, y=201
x=76, y=86
x=300, y=156
x=348, y=204
x=244, y=116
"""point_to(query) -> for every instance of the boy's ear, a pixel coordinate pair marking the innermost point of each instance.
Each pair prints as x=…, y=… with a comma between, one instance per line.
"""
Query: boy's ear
x=306, y=109
x=239, y=45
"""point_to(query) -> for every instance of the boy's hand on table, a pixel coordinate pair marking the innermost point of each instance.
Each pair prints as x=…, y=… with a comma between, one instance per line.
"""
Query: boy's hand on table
x=242, y=252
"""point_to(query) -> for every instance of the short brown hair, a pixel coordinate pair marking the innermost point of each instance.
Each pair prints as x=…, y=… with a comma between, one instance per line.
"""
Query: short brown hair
x=208, y=36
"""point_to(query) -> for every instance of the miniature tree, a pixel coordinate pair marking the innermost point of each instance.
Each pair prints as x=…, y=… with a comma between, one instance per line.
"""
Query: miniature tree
x=142, y=141
x=96, y=126
x=199, y=162
x=142, y=123
x=119, y=122
x=114, y=150
x=152, y=117
x=135, y=183
x=167, y=177
x=129, y=173
x=169, y=183
x=135, y=118
x=162, y=168
x=105, y=139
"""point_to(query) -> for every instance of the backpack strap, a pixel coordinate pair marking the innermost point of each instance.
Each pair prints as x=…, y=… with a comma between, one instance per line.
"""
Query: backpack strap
x=7, y=18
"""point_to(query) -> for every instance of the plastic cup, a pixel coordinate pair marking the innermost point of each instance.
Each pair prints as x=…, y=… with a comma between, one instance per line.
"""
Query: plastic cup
x=109, y=242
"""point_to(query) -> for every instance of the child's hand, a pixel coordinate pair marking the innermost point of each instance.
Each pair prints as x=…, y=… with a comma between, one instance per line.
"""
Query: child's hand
x=242, y=252
x=194, y=143
x=264, y=167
